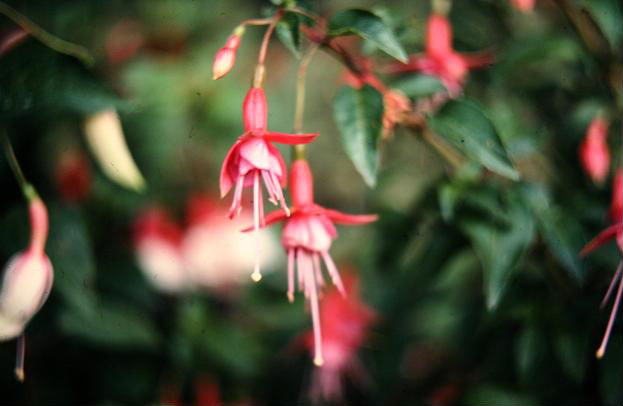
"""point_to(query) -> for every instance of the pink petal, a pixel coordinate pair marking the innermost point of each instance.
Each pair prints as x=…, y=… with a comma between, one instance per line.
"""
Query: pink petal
x=290, y=139
x=602, y=238
x=270, y=218
x=281, y=170
x=352, y=219
x=226, y=182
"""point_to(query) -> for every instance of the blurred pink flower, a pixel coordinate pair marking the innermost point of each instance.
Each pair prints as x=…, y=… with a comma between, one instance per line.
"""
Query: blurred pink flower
x=525, y=6
x=157, y=241
x=26, y=282
x=345, y=323
x=73, y=175
x=215, y=252
x=615, y=231
x=594, y=152
x=307, y=237
x=253, y=157
x=440, y=59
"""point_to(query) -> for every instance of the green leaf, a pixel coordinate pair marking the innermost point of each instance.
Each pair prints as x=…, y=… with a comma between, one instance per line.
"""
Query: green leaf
x=71, y=254
x=37, y=79
x=464, y=124
x=564, y=238
x=368, y=26
x=608, y=15
x=486, y=395
x=113, y=325
x=359, y=117
x=419, y=85
x=500, y=247
x=288, y=31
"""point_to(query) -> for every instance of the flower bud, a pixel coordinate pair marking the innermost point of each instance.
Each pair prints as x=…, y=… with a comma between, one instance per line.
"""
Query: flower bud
x=27, y=278
x=105, y=138
x=225, y=58
x=301, y=183
x=255, y=111
x=594, y=152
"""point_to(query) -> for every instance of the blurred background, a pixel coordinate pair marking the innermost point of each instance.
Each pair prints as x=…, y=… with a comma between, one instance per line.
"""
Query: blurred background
x=120, y=326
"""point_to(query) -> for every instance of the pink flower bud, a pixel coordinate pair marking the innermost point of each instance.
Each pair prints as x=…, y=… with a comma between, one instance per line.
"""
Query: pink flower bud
x=594, y=152
x=225, y=57
x=27, y=278
x=525, y=6
x=255, y=111
x=302, y=183
x=438, y=36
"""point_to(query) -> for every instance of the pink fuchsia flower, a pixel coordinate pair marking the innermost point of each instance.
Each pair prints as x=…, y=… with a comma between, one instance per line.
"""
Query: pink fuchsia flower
x=157, y=241
x=216, y=254
x=307, y=237
x=525, y=6
x=26, y=283
x=225, y=57
x=615, y=231
x=594, y=152
x=440, y=59
x=253, y=159
x=345, y=323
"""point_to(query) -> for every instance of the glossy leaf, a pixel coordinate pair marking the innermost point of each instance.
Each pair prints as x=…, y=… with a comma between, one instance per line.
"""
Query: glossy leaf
x=289, y=33
x=370, y=27
x=465, y=125
x=359, y=116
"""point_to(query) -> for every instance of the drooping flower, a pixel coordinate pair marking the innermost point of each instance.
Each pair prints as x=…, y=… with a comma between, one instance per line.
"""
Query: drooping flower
x=216, y=254
x=225, y=57
x=157, y=241
x=440, y=59
x=306, y=237
x=594, y=152
x=26, y=282
x=345, y=323
x=615, y=231
x=253, y=159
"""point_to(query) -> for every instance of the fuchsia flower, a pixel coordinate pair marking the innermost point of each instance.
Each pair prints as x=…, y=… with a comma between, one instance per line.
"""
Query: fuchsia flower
x=26, y=283
x=225, y=58
x=525, y=6
x=345, y=324
x=614, y=231
x=594, y=152
x=157, y=240
x=253, y=157
x=307, y=237
x=440, y=59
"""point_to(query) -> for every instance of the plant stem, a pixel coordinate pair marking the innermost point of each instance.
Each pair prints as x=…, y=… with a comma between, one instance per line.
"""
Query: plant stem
x=298, y=151
x=258, y=79
x=51, y=41
x=27, y=189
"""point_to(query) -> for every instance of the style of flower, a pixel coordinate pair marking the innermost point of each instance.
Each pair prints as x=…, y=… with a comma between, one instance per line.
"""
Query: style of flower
x=306, y=237
x=26, y=283
x=594, y=152
x=615, y=231
x=345, y=323
x=253, y=157
x=157, y=241
x=440, y=59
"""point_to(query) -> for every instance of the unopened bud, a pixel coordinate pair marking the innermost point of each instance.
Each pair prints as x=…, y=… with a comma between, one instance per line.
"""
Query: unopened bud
x=594, y=152
x=225, y=58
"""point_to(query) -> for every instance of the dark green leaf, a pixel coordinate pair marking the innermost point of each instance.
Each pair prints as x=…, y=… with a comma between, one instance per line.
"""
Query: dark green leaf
x=289, y=33
x=608, y=14
x=368, y=26
x=465, y=125
x=500, y=247
x=113, y=325
x=359, y=117
x=419, y=85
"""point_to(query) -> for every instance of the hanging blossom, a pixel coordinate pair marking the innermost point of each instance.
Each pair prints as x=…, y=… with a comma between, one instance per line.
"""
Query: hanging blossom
x=26, y=282
x=157, y=241
x=254, y=157
x=525, y=6
x=345, y=323
x=225, y=58
x=594, y=152
x=615, y=231
x=306, y=237
x=440, y=59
